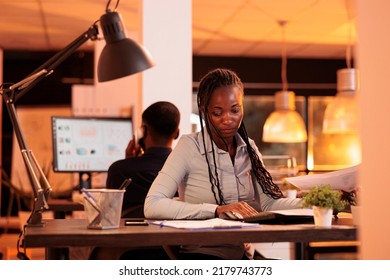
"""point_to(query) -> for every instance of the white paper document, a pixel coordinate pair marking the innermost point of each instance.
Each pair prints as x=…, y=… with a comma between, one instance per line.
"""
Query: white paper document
x=215, y=223
x=344, y=179
x=295, y=212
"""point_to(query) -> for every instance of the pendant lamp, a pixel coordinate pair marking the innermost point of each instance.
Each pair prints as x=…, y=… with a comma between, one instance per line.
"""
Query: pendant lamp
x=285, y=124
x=341, y=113
x=340, y=116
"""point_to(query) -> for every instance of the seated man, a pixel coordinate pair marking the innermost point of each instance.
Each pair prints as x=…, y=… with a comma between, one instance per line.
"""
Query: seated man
x=160, y=125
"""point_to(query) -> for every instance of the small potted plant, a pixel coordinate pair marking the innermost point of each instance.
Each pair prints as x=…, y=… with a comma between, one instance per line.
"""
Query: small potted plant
x=351, y=199
x=324, y=201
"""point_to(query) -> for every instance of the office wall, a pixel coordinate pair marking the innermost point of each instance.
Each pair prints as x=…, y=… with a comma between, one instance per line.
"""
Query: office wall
x=1, y=123
x=374, y=99
x=261, y=76
x=167, y=34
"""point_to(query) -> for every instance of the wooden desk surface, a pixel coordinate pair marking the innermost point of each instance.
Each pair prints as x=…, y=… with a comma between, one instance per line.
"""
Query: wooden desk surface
x=73, y=232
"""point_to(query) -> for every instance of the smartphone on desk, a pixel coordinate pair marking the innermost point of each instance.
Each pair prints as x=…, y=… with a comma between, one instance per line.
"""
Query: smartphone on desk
x=135, y=222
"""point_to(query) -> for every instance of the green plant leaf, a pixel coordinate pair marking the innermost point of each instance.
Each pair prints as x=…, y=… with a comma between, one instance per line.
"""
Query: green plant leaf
x=324, y=196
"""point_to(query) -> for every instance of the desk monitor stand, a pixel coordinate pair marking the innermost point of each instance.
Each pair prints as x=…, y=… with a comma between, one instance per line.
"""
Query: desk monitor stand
x=85, y=180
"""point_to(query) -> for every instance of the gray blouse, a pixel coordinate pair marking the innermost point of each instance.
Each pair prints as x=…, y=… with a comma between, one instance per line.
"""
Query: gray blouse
x=185, y=172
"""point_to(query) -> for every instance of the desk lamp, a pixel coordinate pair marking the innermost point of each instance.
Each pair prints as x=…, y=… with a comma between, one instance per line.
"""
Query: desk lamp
x=120, y=57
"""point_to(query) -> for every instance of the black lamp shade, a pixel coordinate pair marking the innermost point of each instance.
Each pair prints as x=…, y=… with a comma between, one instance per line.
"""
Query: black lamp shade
x=121, y=56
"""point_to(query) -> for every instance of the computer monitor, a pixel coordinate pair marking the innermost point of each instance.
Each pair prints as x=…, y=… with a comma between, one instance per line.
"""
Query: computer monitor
x=89, y=144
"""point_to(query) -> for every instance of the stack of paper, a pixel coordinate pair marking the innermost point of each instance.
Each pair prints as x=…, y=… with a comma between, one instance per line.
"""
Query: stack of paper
x=215, y=223
x=344, y=179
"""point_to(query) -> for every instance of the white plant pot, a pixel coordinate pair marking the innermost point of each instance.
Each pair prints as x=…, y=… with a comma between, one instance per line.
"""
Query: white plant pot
x=355, y=210
x=322, y=216
x=291, y=193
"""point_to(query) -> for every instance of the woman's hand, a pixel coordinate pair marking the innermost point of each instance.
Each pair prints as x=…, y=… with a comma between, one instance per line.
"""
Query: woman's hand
x=242, y=208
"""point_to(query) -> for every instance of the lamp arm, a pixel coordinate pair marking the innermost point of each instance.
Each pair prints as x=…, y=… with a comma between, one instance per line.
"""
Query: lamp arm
x=40, y=184
x=49, y=66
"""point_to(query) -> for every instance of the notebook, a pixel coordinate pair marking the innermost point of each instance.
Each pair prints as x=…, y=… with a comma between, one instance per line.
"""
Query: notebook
x=290, y=216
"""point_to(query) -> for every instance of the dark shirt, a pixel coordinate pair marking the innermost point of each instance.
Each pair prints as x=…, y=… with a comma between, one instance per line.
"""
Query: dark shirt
x=142, y=170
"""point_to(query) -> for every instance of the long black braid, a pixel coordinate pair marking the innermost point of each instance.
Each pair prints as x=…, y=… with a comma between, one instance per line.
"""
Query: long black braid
x=263, y=177
x=209, y=83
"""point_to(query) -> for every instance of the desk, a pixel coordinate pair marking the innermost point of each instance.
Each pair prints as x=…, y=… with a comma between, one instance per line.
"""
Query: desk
x=62, y=233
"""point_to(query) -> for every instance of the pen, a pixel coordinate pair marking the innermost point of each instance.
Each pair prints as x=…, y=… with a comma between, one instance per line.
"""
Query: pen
x=98, y=217
x=226, y=226
x=125, y=184
x=92, y=201
x=84, y=190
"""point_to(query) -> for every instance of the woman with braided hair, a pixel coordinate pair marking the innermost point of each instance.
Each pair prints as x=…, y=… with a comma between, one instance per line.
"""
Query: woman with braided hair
x=215, y=170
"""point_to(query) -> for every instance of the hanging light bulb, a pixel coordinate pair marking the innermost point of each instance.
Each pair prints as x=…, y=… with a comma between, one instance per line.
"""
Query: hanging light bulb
x=341, y=113
x=284, y=125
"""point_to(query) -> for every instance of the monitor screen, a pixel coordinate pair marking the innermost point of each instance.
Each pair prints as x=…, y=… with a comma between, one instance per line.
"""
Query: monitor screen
x=86, y=144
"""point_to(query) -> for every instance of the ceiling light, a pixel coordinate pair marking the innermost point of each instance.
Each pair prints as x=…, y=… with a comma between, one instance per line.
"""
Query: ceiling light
x=341, y=113
x=285, y=124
